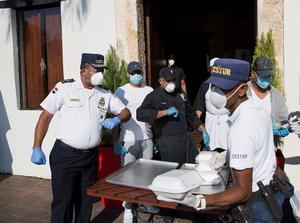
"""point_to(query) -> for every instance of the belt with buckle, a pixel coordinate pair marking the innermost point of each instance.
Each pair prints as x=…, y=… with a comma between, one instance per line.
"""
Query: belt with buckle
x=64, y=145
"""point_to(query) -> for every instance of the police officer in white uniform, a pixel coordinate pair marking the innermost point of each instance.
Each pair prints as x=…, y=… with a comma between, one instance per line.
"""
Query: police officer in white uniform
x=81, y=108
x=250, y=146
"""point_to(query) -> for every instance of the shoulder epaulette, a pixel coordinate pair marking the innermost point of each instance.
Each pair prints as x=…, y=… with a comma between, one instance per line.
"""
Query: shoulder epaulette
x=103, y=87
x=67, y=81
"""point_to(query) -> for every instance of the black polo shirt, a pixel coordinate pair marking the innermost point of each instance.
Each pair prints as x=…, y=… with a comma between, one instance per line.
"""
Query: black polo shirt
x=159, y=99
x=179, y=74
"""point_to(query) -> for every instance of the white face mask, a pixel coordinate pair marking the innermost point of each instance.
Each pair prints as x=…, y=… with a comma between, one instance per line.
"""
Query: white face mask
x=97, y=78
x=218, y=98
x=170, y=88
x=171, y=62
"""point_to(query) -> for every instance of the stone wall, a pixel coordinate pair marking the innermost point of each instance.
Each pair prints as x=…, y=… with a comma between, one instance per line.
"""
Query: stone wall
x=130, y=30
x=270, y=15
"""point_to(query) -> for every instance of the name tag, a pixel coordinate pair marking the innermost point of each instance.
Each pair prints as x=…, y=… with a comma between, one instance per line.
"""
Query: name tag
x=75, y=99
x=239, y=156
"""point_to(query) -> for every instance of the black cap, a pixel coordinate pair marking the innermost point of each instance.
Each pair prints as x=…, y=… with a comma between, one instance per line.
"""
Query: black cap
x=263, y=67
x=132, y=66
x=95, y=60
x=171, y=56
x=167, y=73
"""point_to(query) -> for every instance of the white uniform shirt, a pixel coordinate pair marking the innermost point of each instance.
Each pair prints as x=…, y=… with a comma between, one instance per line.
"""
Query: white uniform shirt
x=216, y=123
x=132, y=97
x=264, y=103
x=80, y=111
x=250, y=142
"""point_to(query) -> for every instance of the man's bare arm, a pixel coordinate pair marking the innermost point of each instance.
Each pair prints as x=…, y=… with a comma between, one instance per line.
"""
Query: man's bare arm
x=42, y=128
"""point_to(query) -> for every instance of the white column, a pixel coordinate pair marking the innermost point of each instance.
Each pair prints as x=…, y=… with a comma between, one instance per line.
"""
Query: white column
x=292, y=83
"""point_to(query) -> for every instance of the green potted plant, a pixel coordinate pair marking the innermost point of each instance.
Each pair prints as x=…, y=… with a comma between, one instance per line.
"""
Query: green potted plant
x=115, y=75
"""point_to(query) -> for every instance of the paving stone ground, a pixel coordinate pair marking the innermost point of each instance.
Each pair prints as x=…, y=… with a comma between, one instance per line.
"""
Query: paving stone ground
x=28, y=200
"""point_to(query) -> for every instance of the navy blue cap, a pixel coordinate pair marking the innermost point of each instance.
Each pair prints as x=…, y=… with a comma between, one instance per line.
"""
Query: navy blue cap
x=263, y=67
x=227, y=73
x=132, y=66
x=95, y=60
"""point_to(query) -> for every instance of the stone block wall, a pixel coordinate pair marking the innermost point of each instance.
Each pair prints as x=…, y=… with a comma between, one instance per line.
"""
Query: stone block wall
x=270, y=15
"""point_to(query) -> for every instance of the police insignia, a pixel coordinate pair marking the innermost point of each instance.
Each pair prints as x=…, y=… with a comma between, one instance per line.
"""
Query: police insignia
x=221, y=70
x=101, y=102
x=54, y=90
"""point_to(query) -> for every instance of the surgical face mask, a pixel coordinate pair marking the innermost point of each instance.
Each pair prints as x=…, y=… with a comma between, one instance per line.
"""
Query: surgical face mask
x=263, y=83
x=171, y=62
x=170, y=88
x=136, y=79
x=97, y=78
x=218, y=98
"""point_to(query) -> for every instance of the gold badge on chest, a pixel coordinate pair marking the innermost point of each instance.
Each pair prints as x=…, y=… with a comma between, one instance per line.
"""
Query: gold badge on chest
x=101, y=104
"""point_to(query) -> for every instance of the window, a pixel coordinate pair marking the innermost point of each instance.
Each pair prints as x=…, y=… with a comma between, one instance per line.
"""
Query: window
x=40, y=53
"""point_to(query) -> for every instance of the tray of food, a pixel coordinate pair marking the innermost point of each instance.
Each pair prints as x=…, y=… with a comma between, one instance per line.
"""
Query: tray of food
x=140, y=174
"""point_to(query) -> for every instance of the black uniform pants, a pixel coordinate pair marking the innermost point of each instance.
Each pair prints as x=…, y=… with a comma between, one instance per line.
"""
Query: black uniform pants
x=72, y=171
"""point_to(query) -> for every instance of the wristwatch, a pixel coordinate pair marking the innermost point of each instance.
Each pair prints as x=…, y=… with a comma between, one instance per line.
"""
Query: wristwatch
x=202, y=202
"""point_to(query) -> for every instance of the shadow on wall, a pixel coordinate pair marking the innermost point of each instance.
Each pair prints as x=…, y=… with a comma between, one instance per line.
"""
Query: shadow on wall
x=5, y=154
x=78, y=11
x=295, y=160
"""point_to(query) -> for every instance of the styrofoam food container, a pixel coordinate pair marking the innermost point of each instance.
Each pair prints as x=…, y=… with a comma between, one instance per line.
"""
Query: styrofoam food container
x=204, y=156
x=210, y=177
x=295, y=203
x=204, y=166
x=175, y=183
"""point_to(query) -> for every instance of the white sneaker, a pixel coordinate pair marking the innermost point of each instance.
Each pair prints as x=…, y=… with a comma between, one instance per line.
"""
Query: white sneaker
x=128, y=216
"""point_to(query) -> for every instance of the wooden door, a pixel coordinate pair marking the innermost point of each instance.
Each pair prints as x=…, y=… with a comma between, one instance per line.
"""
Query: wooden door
x=156, y=53
x=54, y=48
x=33, y=54
x=42, y=54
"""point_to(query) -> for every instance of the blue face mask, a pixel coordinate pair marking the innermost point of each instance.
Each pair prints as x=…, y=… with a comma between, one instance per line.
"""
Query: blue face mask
x=136, y=79
x=263, y=83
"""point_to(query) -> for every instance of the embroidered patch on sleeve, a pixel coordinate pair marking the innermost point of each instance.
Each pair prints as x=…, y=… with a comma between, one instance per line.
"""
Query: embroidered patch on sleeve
x=54, y=90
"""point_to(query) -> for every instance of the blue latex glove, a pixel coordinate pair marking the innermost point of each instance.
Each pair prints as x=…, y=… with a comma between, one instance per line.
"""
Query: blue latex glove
x=205, y=137
x=38, y=156
x=172, y=111
x=110, y=123
x=119, y=149
x=282, y=132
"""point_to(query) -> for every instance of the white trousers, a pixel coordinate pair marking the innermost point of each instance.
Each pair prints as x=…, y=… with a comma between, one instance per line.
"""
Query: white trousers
x=137, y=150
